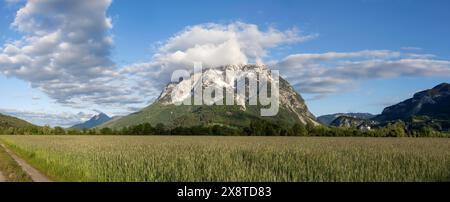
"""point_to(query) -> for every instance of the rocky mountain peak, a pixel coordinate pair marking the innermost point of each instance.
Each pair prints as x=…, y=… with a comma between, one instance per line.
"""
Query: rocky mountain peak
x=434, y=103
x=167, y=109
x=93, y=122
x=219, y=77
x=225, y=77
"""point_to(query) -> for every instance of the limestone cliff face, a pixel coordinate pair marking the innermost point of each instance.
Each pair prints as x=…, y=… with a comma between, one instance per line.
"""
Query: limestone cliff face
x=218, y=77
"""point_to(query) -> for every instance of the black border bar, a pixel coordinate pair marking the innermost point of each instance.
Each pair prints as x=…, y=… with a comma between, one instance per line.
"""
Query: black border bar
x=278, y=191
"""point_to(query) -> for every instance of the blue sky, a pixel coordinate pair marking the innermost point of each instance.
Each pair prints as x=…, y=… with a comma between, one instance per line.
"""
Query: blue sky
x=412, y=34
x=343, y=26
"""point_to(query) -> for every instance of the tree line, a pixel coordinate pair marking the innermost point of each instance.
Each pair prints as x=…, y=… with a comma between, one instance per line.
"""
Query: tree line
x=257, y=127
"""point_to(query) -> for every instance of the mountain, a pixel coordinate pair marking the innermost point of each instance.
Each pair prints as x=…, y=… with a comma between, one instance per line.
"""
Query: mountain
x=433, y=103
x=114, y=118
x=164, y=110
x=352, y=122
x=327, y=119
x=93, y=122
x=13, y=122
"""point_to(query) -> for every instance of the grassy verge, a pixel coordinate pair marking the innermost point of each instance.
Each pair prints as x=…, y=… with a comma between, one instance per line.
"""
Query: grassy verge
x=36, y=163
x=10, y=169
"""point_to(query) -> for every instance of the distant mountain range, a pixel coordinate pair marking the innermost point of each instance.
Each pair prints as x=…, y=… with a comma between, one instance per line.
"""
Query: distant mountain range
x=428, y=108
x=95, y=121
x=328, y=119
x=433, y=103
x=292, y=106
x=13, y=122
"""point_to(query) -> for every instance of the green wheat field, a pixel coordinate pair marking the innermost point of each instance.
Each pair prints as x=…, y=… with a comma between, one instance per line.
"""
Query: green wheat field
x=192, y=158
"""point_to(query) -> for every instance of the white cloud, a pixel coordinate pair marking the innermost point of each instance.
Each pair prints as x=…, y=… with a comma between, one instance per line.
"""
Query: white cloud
x=66, y=46
x=65, y=52
x=247, y=41
x=212, y=44
x=330, y=72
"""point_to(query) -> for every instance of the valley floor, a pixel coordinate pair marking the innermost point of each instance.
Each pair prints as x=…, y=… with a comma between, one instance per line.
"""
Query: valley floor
x=208, y=158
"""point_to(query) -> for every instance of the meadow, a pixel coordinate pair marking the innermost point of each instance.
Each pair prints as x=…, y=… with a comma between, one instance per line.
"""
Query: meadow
x=195, y=158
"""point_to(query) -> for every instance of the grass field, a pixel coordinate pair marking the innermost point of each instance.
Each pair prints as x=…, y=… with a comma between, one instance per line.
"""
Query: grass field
x=173, y=158
x=10, y=169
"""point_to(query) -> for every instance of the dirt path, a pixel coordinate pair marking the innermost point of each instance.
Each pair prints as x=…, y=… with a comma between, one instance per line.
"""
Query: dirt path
x=34, y=174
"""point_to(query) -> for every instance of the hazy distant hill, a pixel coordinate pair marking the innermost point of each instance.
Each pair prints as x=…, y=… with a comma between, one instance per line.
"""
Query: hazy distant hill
x=327, y=119
x=93, y=122
x=353, y=122
x=292, y=106
x=13, y=122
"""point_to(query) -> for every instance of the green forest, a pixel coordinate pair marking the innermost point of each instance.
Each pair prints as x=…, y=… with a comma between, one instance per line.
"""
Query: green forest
x=256, y=128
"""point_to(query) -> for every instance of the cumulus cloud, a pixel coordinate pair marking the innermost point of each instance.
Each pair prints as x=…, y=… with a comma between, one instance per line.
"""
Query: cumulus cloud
x=65, y=52
x=213, y=45
x=241, y=42
x=326, y=73
x=66, y=47
x=64, y=119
